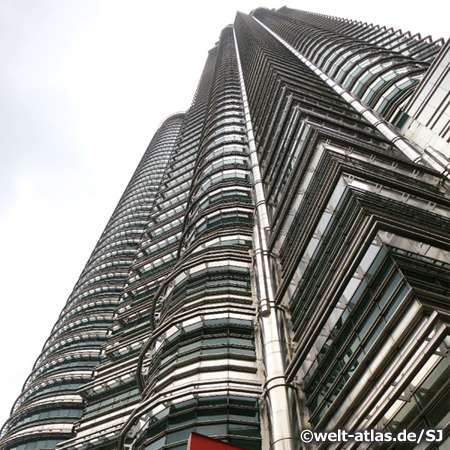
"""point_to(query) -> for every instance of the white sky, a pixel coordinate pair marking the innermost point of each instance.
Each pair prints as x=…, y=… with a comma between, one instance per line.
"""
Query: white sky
x=84, y=86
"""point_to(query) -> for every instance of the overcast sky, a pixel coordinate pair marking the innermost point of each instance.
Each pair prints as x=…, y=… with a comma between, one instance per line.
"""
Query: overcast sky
x=84, y=86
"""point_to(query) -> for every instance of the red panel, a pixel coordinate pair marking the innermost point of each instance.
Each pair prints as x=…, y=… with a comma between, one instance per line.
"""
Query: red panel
x=199, y=442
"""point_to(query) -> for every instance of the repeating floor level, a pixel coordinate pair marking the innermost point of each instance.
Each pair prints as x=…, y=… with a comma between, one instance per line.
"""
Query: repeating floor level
x=278, y=267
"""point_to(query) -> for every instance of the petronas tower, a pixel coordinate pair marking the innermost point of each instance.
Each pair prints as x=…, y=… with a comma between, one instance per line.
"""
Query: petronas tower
x=279, y=261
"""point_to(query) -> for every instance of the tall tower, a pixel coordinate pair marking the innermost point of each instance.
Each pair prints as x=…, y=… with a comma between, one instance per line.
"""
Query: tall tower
x=278, y=263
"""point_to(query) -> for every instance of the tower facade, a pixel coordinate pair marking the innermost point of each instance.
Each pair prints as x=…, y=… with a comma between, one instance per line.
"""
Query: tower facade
x=278, y=263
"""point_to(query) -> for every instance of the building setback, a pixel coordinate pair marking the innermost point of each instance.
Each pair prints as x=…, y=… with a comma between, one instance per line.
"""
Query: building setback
x=278, y=262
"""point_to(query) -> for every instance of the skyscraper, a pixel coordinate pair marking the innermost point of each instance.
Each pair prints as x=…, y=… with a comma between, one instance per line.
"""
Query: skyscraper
x=279, y=261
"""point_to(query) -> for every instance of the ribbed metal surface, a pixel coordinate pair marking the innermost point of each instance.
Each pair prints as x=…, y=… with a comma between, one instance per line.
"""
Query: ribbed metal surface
x=284, y=272
x=381, y=67
x=202, y=349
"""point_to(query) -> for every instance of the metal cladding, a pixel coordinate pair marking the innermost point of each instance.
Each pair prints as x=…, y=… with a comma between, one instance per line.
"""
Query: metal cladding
x=380, y=66
x=278, y=263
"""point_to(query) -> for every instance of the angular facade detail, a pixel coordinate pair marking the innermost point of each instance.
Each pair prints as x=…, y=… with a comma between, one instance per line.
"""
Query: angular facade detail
x=279, y=262
x=425, y=119
x=381, y=67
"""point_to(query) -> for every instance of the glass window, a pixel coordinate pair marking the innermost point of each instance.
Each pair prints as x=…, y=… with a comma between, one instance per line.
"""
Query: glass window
x=181, y=419
x=215, y=429
x=179, y=435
